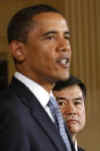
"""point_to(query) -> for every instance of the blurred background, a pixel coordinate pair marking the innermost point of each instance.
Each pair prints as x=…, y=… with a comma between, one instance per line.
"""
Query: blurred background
x=84, y=22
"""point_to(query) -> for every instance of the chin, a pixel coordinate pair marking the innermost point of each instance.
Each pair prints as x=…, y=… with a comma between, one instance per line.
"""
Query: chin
x=74, y=130
x=60, y=77
x=65, y=76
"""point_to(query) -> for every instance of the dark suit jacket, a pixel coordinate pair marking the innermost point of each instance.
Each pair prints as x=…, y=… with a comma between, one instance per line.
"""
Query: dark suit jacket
x=24, y=125
x=80, y=149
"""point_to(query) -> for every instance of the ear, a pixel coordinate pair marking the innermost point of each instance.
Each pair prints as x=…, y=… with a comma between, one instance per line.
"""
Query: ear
x=17, y=50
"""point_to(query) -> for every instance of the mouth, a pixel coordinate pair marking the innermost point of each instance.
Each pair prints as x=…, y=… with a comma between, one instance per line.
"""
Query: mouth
x=72, y=121
x=64, y=62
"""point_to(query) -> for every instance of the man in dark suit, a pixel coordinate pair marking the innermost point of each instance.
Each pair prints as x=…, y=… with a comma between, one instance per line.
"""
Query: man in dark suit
x=39, y=41
x=71, y=96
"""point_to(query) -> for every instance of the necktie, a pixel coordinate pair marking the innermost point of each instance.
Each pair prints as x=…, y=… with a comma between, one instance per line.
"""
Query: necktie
x=54, y=108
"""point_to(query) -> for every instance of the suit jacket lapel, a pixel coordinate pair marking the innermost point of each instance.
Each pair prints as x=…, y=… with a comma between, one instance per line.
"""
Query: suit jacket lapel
x=38, y=113
x=49, y=127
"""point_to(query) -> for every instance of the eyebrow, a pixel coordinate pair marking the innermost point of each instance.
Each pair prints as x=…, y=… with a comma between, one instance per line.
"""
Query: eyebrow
x=78, y=98
x=60, y=98
x=49, y=32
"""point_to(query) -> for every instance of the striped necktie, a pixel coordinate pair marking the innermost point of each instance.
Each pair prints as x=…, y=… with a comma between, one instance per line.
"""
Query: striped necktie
x=55, y=111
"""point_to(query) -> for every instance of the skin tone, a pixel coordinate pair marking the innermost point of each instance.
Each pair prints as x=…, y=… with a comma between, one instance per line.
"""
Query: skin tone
x=46, y=56
x=71, y=102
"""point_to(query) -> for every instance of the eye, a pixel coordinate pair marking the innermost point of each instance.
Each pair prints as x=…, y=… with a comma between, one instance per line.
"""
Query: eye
x=61, y=103
x=77, y=103
x=67, y=36
x=50, y=37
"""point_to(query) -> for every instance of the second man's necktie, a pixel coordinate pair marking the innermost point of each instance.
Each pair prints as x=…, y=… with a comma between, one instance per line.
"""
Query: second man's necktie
x=54, y=108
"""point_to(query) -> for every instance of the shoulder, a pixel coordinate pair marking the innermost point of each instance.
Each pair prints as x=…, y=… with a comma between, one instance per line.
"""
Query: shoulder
x=10, y=105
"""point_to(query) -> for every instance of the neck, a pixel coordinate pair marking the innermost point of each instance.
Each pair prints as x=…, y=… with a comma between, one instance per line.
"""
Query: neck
x=73, y=137
x=44, y=82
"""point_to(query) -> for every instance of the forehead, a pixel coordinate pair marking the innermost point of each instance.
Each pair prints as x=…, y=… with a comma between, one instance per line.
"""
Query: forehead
x=51, y=20
x=70, y=92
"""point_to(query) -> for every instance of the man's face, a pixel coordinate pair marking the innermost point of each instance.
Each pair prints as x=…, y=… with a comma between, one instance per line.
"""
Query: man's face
x=71, y=103
x=48, y=50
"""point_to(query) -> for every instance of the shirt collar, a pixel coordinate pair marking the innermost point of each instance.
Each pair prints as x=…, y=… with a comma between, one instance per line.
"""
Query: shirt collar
x=40, y=93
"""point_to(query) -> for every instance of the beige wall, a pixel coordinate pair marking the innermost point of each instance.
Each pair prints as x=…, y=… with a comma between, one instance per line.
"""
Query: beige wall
x=84, y=21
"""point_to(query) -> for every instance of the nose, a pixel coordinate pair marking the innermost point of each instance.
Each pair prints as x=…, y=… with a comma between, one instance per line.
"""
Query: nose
x=64, y=45
x=70, y=108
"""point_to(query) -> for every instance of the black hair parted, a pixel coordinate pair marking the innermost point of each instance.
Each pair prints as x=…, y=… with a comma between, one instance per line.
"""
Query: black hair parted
x=22, y=22
x=72, y=80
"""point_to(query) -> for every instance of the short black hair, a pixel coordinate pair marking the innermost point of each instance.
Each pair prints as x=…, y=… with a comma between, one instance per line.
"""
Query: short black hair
x=70, y=82
x=21, y=22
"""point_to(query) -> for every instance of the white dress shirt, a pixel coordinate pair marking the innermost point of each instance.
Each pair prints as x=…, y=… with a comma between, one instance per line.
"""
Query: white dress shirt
x=40, y=93
x=76, y=147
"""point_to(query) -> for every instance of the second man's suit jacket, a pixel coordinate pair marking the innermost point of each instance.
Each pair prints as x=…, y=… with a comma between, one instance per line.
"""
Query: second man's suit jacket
x=80, y=149
x=24, y=125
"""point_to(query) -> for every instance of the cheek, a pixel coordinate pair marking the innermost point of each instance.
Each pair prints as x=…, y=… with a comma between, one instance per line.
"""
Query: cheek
x=82, y=118
x=47, y=55
x=63, y=110
x=42, y=57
